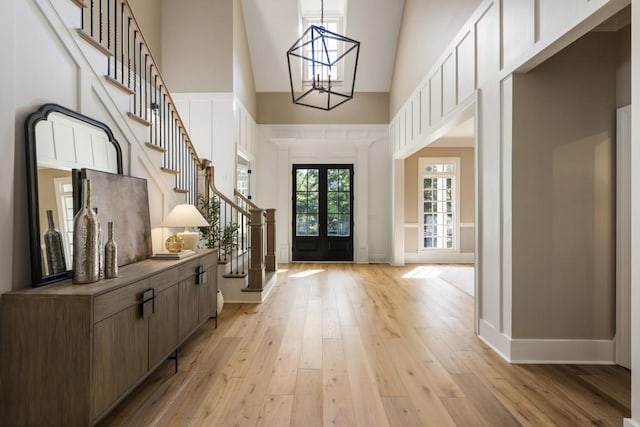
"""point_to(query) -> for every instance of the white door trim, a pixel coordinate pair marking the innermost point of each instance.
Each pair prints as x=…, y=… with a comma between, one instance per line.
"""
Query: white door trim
x=623, y=237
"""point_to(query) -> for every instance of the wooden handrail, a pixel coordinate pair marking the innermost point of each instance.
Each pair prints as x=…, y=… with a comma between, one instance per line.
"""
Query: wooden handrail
x=245, y=199
x=218, y=193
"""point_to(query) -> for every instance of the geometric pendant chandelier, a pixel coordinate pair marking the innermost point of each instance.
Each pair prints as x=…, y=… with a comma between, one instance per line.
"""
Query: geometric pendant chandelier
x=322, y=67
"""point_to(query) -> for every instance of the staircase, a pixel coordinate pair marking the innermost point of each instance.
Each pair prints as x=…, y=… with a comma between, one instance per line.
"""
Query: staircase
x=247, y=262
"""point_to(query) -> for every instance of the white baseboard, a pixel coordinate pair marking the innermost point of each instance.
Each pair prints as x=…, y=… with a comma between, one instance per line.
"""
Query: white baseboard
x=592, y=352
x=628, y=422
x=439, y=257
x=499, y=342
x=548, y=351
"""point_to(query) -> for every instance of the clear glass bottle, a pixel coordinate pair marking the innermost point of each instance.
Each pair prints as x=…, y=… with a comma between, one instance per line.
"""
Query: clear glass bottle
x=53, y=247
x=86, y=247
x=101, y=246
x=110, y=255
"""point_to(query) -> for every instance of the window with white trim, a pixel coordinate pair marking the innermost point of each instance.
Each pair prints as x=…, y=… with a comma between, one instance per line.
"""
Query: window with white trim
x=439, y=203
x=331, y=23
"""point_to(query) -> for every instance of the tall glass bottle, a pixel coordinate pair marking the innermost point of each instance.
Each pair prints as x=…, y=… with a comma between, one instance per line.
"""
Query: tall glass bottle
x=86, y=247
x=54, y=248
x=101, y=246
x=110, y=256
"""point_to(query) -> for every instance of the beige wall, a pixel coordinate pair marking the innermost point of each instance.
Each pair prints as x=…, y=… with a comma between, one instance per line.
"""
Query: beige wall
x=623, y=68
x=148, y=16
x=428, y=26
x=467, y=194
x=564, y=194
x=364, y=108
x=243, y=83
x=197, y=45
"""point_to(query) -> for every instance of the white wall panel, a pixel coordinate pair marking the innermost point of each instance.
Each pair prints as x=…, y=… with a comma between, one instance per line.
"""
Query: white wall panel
x=449, y=86
x=487, y=45
x=425, y=108
x=518, y=22
x=415, y=119
x=435, y=104
x=554, y=17
x=466, y=69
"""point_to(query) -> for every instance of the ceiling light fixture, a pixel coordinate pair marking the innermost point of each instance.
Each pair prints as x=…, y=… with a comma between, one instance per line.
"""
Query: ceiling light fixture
x=322, y=67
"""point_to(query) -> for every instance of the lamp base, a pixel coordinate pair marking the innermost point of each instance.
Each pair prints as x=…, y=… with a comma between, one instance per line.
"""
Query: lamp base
x=190, y=239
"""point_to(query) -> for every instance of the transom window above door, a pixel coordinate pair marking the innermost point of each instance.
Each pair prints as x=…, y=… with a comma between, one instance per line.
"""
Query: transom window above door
x=439, y=203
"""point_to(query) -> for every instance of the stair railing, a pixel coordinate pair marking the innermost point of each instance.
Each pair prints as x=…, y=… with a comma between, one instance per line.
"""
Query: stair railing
x=111, y=25
x=269, y=217
x=232, y=230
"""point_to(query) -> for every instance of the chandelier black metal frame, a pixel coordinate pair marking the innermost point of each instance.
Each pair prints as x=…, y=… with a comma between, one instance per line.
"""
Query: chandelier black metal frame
x=311, y=60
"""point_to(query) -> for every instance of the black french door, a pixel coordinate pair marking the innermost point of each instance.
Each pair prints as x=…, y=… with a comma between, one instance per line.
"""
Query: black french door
x=322, y=213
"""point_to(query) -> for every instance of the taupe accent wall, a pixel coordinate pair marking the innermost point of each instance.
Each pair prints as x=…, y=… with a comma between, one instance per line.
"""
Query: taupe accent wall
x=428, y=26
x=467, y=195
x=564, y=193
x=148, y=15
x=623, y=68
x=197, y=45
x=243, y=83
x=364, y=108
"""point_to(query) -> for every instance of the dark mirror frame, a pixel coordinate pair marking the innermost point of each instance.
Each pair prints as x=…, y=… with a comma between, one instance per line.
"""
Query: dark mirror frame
x=37, y=279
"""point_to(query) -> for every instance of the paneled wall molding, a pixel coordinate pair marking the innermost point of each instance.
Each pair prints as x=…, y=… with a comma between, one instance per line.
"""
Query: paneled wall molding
x=287, y=135
x=473, y=77
x=530, y=32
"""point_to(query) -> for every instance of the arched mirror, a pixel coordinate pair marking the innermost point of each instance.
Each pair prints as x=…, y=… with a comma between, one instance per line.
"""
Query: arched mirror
x=59, y=140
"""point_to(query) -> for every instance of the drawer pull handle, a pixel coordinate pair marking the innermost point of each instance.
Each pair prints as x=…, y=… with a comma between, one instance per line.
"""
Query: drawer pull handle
x=201, y=275
x=148, y=303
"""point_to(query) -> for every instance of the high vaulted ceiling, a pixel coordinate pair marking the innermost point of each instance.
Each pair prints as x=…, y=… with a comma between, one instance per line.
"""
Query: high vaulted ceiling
x=274, y=25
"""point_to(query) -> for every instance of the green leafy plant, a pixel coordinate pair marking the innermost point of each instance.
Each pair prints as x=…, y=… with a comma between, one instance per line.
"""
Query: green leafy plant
x=226, y=238
x=229, y=238
x=210, y=210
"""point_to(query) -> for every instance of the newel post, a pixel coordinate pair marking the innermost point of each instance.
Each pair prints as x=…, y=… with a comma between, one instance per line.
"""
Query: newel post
x=270, y=258
x=256, y=263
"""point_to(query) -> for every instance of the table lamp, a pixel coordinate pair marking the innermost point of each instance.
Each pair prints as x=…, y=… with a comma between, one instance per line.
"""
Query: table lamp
x=184, y=215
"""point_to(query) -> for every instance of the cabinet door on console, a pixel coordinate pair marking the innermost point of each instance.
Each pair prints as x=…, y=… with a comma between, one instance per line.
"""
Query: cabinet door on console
x=208, y=294
x=163, y=325
x=120, y=356
x=189, y=294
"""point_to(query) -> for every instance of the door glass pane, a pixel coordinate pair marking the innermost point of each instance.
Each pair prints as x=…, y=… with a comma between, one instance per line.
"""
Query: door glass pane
x=313, y=228
x=332, y=179
x=313, y=179
x=301, y=225
x=338, y=202
x=332, y=202
x=307, y=209
x=301, y=180
x=344, y=180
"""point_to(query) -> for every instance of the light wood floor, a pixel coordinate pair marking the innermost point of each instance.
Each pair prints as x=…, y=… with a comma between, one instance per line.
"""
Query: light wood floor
x=359, y=345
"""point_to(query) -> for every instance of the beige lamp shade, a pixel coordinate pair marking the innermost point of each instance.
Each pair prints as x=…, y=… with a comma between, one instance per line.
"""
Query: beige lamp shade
x=186, y=215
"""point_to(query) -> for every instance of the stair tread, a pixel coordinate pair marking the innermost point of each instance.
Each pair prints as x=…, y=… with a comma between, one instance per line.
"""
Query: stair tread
x=235, y=275
x=80, y=3
x=180, y=190
x=93, y=42
x=156, y=148
x=119, y=85
x=139, y=119
x=169, y=171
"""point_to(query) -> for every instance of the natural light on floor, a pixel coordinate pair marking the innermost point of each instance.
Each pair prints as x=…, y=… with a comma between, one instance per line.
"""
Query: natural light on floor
x=422, y=272
x=462, y=276
x=306, y=273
